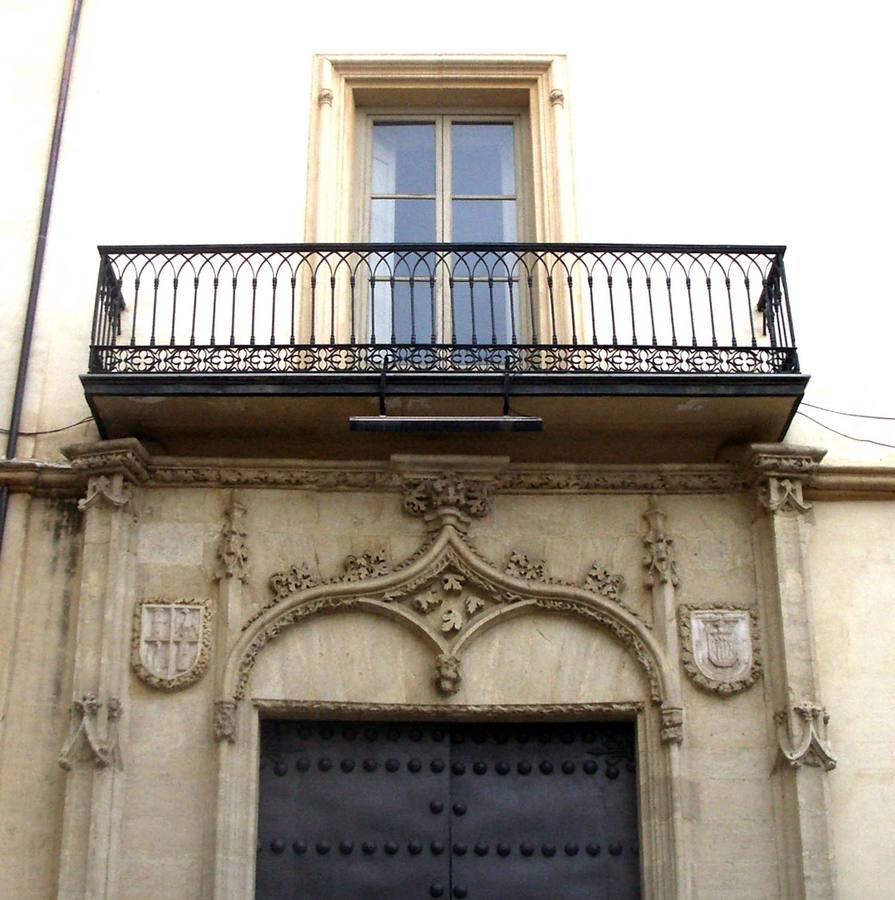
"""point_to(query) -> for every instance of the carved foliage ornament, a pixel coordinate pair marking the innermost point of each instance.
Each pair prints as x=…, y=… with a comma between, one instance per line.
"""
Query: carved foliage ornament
x=171, y=642
x=447, y=497
x=720, y=646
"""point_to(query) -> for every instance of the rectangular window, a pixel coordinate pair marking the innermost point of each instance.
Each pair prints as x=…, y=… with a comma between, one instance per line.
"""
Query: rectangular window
x=443, y=178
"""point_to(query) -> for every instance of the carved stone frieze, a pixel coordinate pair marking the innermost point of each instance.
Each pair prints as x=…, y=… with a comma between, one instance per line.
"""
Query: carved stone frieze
x=225, y=721
x=84, y=744
x=616, y=479
x=106, y=489
x=171, y=642
x=659, y=561
x=232, y=549
x=519, y=479
x=720, y=646
x=811, y=746
x=672, y=729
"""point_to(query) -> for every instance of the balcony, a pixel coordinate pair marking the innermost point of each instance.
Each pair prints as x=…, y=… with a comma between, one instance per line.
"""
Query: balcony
x=625, y=352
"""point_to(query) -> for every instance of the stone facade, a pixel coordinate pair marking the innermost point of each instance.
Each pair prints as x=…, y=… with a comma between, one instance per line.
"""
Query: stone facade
x=154, y=607
x=463, y=592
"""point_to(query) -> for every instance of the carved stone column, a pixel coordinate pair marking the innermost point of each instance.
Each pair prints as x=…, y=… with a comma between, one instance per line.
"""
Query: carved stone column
x=91, y=754
x=804, y=757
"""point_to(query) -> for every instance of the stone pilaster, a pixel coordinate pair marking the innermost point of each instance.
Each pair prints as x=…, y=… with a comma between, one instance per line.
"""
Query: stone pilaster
x=661, y=578
x=93, y=754
x=799, y=721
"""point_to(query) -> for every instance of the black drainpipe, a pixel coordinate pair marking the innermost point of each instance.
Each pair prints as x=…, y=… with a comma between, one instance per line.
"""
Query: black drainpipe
x=39, y=251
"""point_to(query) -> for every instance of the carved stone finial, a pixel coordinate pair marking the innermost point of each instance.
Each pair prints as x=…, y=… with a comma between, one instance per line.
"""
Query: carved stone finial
x=812, y=746
x=109, y=489
x=84, y=745
x=659, y=561
x=447, y=498
x=780, y=473
x=447, y=673
x=325, y=97
x=232, y=551
x=672, y=730
x=557, y=97
x=225, y=721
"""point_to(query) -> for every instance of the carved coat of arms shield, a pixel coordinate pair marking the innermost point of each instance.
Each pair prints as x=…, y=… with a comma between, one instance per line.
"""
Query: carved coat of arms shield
x=720, y=649
x=171, y=642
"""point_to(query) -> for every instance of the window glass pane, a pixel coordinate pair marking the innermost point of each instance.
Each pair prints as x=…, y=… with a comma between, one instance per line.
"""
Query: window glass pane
x=403, y=158
x=402, y=221
x=482, y=159
x=484, y=221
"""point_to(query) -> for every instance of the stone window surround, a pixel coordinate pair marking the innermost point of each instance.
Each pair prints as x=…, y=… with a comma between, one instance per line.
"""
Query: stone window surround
x=341, y=85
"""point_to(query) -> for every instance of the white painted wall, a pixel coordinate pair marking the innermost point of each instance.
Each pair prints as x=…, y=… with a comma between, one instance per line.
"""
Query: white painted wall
x=692, y=122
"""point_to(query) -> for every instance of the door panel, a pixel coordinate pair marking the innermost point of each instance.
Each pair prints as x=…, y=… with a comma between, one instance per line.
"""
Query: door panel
x=379, y=810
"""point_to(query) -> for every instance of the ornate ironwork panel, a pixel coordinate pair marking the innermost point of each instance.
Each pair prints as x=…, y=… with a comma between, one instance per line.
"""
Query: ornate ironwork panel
x=373, y=810
x=605, y=309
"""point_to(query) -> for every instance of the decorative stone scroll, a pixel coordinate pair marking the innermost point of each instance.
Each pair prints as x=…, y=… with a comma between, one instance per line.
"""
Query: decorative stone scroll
x=84, y=745
x=232, y=550
x=720, y=648
x=812, y=746
x=171, y=642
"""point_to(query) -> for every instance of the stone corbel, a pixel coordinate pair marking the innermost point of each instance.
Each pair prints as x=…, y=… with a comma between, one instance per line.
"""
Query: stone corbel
x=780, y=473
x=812, y=746
x=84, y=744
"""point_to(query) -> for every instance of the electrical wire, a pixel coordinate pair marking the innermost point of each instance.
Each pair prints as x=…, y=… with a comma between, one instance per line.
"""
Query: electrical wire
x=851, y=437
x=852, y=415
x=50, y=430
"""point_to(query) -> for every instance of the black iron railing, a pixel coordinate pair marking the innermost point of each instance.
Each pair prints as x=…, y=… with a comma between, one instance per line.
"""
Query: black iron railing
x=427, y=308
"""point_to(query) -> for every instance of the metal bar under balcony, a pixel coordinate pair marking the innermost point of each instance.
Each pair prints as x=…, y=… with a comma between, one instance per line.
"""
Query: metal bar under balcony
x=610, y=344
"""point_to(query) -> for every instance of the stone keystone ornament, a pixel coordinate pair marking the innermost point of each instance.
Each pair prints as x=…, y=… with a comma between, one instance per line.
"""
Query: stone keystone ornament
x=720, y=649
x=171, y=642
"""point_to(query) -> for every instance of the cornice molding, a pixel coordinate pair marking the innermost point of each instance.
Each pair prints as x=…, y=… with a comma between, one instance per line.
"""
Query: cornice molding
x=129, y=458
